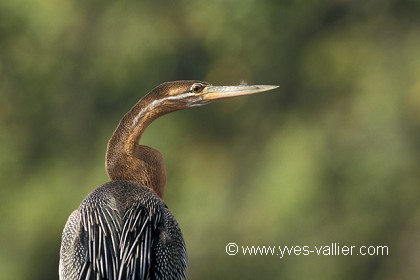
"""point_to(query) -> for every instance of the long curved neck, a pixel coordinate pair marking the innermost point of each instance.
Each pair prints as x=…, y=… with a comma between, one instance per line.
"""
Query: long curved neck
x=126, y=159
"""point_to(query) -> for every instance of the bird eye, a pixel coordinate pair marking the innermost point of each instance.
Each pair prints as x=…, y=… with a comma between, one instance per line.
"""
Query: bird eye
x=196, y=88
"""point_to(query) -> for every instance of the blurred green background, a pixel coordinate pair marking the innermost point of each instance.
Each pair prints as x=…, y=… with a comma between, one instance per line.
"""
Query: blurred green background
x=333, y=155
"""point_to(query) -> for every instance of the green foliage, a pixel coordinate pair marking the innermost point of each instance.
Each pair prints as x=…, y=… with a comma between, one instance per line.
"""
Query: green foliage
x=331, y=156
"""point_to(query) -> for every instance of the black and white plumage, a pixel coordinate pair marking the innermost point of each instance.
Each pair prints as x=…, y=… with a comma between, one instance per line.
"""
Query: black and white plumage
x=123, y=229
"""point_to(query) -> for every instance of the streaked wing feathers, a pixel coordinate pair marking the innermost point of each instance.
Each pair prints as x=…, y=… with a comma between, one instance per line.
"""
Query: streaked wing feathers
x=117, y=248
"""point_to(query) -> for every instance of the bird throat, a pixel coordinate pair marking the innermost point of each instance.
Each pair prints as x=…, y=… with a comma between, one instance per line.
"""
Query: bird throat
x=127, y=160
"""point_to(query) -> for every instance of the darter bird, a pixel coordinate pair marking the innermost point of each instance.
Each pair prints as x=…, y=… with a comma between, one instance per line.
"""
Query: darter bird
x=123, y=229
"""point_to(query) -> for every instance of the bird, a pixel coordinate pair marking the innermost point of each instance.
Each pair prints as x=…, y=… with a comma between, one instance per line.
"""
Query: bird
x=123, y=229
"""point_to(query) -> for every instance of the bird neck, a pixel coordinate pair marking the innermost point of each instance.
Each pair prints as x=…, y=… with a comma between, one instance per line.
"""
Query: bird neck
x=126, y=159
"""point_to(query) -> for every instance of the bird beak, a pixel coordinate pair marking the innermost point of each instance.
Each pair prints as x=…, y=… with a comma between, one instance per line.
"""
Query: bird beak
x=211, y=93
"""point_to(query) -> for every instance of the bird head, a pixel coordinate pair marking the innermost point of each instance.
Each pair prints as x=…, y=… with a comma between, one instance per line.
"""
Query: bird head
x=178, y=95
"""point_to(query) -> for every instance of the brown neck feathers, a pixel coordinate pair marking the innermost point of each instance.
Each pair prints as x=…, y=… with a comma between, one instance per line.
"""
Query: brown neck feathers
x=126, y=159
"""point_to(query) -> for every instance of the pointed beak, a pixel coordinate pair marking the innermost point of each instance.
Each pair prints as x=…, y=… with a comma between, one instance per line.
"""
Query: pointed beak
x=211, y=93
